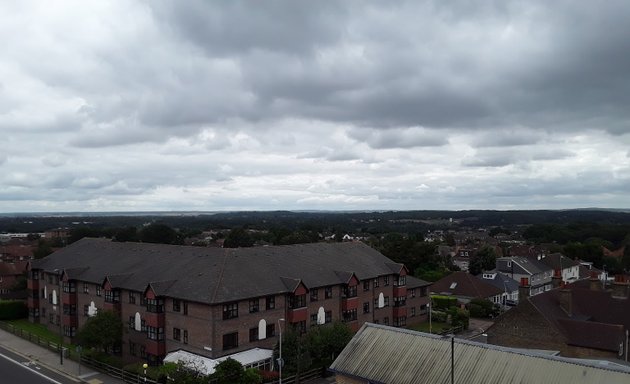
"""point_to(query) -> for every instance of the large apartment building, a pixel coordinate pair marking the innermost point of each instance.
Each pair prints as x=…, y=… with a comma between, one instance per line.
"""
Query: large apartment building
x=215, y=302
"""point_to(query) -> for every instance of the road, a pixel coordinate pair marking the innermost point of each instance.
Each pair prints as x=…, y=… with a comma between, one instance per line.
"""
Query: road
x=15, y=369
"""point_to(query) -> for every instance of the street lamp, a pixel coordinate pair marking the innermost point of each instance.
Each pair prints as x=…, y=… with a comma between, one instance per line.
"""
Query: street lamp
x=280, y=362
x=429, y=305
x=145, y=366
x=60, y=306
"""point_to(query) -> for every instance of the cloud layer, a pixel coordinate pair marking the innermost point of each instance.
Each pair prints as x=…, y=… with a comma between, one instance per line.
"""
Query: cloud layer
x=200, y=105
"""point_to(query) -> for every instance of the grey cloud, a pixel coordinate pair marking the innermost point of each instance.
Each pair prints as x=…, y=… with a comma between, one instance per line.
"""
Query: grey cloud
x=399, y=138
x=506, y=138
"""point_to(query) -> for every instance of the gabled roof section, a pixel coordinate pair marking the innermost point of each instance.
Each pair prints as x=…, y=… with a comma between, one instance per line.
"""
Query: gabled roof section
x=290, y=284
x=414, y=282
x=117, y=281
x=74, y=273
x=159, y=288
x=344, y=276
x=397, y=268
x=410, y=357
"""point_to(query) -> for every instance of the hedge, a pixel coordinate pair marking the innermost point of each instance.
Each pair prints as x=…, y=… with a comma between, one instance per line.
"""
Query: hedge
x=443, y=302
x=13, y=309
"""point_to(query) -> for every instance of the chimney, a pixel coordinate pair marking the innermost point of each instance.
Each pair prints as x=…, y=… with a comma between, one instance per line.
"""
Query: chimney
x=556, y=280
x=620, y=287
x=565, y=301
x=523, y=289
x=594, y=283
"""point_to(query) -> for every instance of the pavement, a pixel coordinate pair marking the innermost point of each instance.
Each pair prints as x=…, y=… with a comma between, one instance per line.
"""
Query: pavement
x=49, y=359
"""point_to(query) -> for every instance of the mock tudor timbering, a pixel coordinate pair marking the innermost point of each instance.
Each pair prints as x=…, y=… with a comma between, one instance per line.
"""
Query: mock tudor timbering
x=214, y=301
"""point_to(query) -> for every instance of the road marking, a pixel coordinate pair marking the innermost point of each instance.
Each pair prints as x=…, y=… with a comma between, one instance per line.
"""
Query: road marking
x=30, y=369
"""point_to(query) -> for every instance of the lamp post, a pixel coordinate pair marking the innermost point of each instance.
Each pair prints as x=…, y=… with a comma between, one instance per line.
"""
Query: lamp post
x=280, y=361
x=145, y=366
x=59, y=311
x=429, y=305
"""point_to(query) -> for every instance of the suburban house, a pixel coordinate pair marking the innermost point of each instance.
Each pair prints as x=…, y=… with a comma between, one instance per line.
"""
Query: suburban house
x=530, y=273
x=215, y=302
x=10, y=273
x=380, y=354
x=507, y=285
x=568, y=268
x=465, y=287
x=579, y=320
x=462, y=258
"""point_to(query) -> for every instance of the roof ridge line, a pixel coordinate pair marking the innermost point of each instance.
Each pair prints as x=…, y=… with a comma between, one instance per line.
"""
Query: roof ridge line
x=221, y=273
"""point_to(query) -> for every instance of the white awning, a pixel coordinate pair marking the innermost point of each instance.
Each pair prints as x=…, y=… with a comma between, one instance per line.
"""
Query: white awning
x=206, y=365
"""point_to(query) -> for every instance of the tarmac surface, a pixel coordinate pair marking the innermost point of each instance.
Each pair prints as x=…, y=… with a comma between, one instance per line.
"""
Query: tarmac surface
x=48, y=363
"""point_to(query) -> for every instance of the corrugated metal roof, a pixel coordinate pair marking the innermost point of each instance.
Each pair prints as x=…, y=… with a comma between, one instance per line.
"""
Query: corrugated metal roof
x=397, y=356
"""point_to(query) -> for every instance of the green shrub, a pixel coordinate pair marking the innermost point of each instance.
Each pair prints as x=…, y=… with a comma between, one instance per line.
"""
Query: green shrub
x=13, y=309
x=443, y=302
x=459, y=317
x=439, y=316
x=483, y=308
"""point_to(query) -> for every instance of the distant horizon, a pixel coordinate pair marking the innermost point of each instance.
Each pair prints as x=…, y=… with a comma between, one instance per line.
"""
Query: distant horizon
x=214, y=212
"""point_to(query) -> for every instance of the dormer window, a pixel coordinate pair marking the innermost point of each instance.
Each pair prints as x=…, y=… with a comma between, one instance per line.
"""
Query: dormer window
x=349, y=291
x=112, y=296
x=155, y=305
x=297, y=301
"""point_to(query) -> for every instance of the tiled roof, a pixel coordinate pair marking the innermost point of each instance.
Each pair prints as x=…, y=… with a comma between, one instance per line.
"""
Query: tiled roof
x=215, y=275
x=466, y=285
x=559, y=261
x=502, y=281
x=592, y=313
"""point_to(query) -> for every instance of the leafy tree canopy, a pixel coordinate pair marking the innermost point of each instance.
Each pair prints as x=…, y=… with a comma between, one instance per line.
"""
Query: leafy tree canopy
x=103, y=331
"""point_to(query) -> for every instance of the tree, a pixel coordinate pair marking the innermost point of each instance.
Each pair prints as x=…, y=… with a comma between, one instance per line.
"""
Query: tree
x=327, y=341
x=181, y=373
x=103, y=331
x=160, y=233
x=238, y=237
x=126, y=234
x=230, y=371
x=484, y=260
x=295, y=352
x=43, y=249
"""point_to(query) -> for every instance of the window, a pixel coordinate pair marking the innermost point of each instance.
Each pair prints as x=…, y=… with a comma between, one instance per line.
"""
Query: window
x=155, y=333
x=366, y=285
x=253, y=334
x=400, y=301
x=132, y=298
x=176, y=305
x=98, y=290
x=112, y=296
x=423, y=291
x=386, y=280
x=386, y=321
x=314, y=319
x=132, y=322
x=69, y=331
x=509, y=264
x=86, y=288
x=271, y=302
x=230, y=311
x=328, y=317
x=35, y=275
x=86, y=310
x=185, y=336
x=177, y=333
x=400, y=281
x=253, y=306
x=453, y=285
x=366, y=307
x=155, y=305
x=423, y=309
x=69, y=287
x=386, y=301
x=400, y=321
x=132, y=348
x=349, y=291
x=314, y=294
x=412, y=293
x=185, y=308
x=230, y=341
x=349, y=315
x=328, y=292
x=375, y=281
x=297, y=301
x=271, y=330
x=70, y=309
x=413, y=311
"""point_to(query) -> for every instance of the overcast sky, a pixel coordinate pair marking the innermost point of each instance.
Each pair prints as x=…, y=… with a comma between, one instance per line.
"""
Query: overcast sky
x=265, y=105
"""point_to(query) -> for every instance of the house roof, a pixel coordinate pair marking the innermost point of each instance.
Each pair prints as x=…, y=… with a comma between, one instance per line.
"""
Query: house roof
x=525, y=266
x=502, y=281
x=215, y=275
x=409, y=357
x=414, y=282
x=597, y=320
x=559, y=261
x=465, y=285
x=13, y=269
